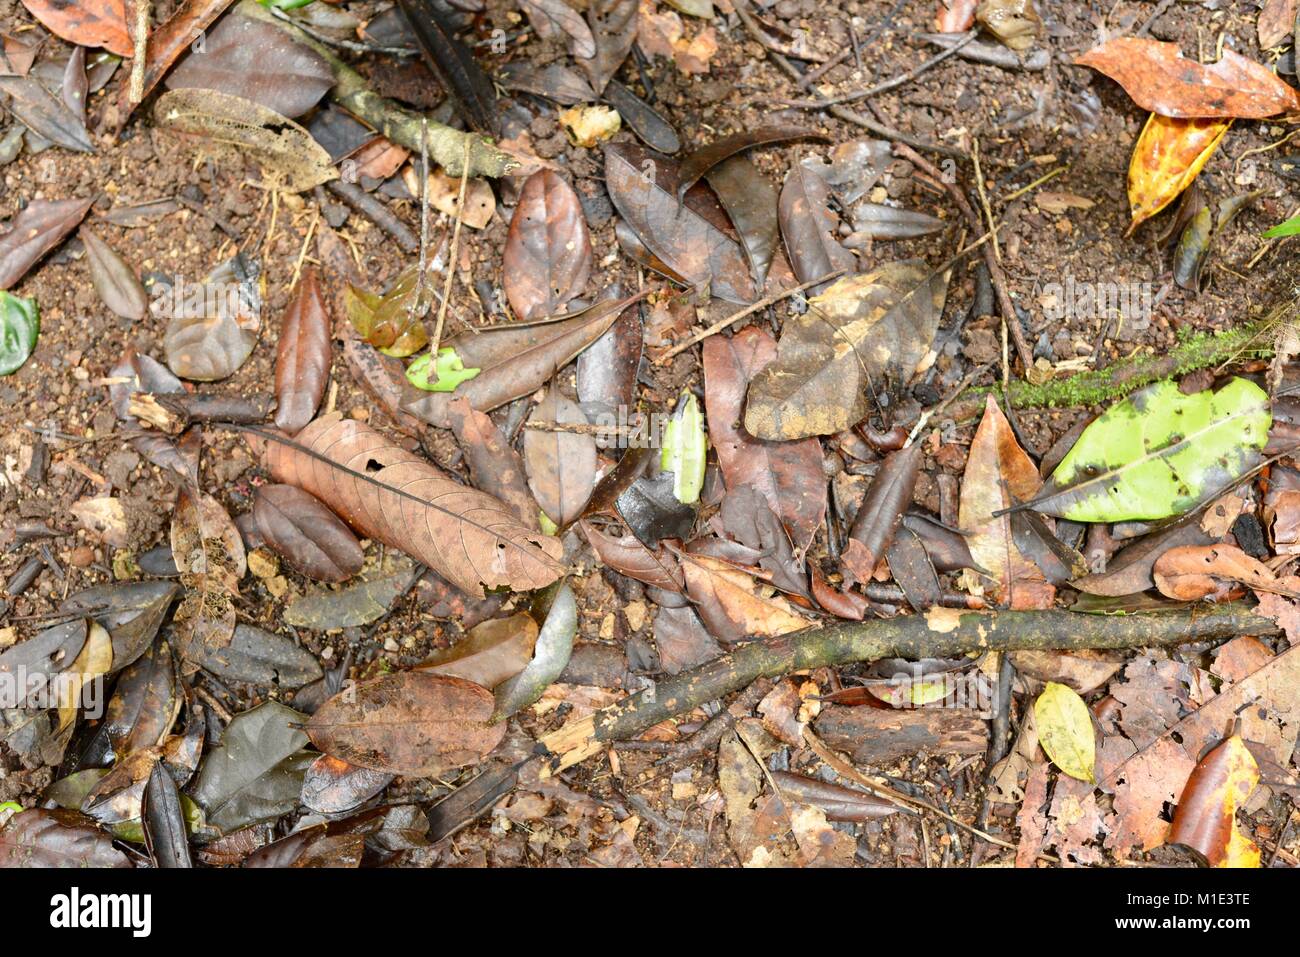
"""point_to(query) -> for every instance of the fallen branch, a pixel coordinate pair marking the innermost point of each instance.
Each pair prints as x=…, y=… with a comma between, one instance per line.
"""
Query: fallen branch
x=941, y=633
x=447, y=147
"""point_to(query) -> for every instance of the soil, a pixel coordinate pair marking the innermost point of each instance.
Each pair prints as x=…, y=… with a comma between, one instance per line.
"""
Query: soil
x=1026, y=126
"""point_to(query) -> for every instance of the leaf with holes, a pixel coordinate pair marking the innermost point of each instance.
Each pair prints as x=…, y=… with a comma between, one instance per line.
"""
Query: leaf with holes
x=1205, y=820
x=396, y=497
x=1159, y=453
x=209, y=554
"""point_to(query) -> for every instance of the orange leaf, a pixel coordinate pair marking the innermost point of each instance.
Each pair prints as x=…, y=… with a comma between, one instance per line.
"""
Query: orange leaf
x=1206, y=818
x=88, y=23
x=1160, y=79
x=1168, y=156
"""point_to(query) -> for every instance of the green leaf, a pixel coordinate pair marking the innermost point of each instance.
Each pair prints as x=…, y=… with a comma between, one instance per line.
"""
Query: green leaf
x=684, y=450
x=1289, y=228
x=20, y=324
x=449, y=372
x=1064, y=727
x=1159, y=453
x=285, y=4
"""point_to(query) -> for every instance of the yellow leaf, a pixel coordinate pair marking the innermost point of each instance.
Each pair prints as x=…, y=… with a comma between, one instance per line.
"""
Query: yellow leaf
x=1206, y=817
x=93, y=662
x=1065, y=731
x=1169, y=154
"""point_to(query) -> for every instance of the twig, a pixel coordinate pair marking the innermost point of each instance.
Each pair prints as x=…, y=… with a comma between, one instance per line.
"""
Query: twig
x=940, y=633
x=845, y=769
x=884, y=86
x=1046, y=177
x=436, y=338
x=350, y=45
x=996, y=275
x=1155, y=15
x=747, y=311
x=142, y=10
x=418, y=304
x=816, y=73
x=377, y=212
x=837, y=110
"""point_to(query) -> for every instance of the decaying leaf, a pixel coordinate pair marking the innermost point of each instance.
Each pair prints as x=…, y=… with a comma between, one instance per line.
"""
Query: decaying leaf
x=557, y=611
x=1169, y=154
x=561, y=465
x=731, y=601
x=1159, y=453
x=1193, y=572
x=396, y=497
x=369, y=597
x=1160, y=79
x=864, y=332
x=114, y=280
x=491, y=652
x=214, y=325
x=1206, y=818
x=284, y=150
x=411, y=722
x=1065, y=731
x=44, y=114
x=209, y=554
x=101, y=23
x=685, y=235
x=998, y=474
x=257, y=61
x=787, y=474
x=57, y=838
x=515, y=359
x=809, y=227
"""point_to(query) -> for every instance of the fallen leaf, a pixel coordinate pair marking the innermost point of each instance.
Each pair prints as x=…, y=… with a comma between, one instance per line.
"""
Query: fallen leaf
x=557, y=611
x=331, y=786
x=547, y=257
x=1205, y=820
x=628, y=556
x=864, y=332
x=468, y=537
x=1193, y=572
x=881, y=513
x=810, y=228
x=1276, y=23
x=999, y=473
x=20, y=325
x=306, y=534
x=286, y=152
x=1159, y=453
x=114, y=281
x=491, y=652
x=262, y=658
x=1161, y=80
x=613, y=26
x=787, y=474
x=368, y=598
x=303, y=356
x=42, y=113
x=554, y=19
x=35, y=231
x=561, y=465
x=57, y=838
x=209, y=554
x=1169, y=155
x=410, y=723
x=494, y=466
x=90, y=23
x=731, y=603
x=214, y=325
x=1065, y=731
x=256, y=61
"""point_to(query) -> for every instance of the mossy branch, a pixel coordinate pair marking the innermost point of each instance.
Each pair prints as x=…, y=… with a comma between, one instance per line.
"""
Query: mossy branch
x=400, y=125
x=941, y=633
x=1199, y=350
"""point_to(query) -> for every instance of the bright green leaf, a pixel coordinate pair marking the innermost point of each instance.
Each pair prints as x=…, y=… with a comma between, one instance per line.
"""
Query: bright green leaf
x=1289, y=228
x=1064, y=727
x=20, y=324
x=548, y=526
x=1159, y=453
x=285, y=4
x=449, y=372
x=684, y=450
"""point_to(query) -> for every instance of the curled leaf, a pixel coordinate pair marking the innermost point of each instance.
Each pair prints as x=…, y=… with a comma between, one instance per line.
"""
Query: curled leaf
x=557, y=610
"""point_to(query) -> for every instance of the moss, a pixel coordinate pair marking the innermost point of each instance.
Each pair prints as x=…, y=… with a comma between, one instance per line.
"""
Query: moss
x=1194, y=350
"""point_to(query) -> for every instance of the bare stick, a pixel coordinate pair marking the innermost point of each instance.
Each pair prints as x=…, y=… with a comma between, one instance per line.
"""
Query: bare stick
x=142, y=11
x=940, y=633
x=747, y=311
x=884, y=86
x=436, y=338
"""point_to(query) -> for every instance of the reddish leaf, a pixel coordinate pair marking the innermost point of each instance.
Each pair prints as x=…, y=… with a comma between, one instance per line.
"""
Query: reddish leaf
x=494, y=466
x=306, y=534
x=88, y=23
x=167, y=42
x=955, y=16
x=787, y=474
x=1206, y=818
x=331, y=786
x=691, y=242
x=1193, y=572
x=16, y=57
x=114, y=280
x=490, y=653
x=34, y=232
x=466, y=536
x=408, y=723
x=547, y=258
x=57, y=838
x=302, y=362
x=628, y=556
x=732, y=602
x=1160, y=79
x=257, y=61
x=139, y=373
x=881, y=511
x=1276, y=23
